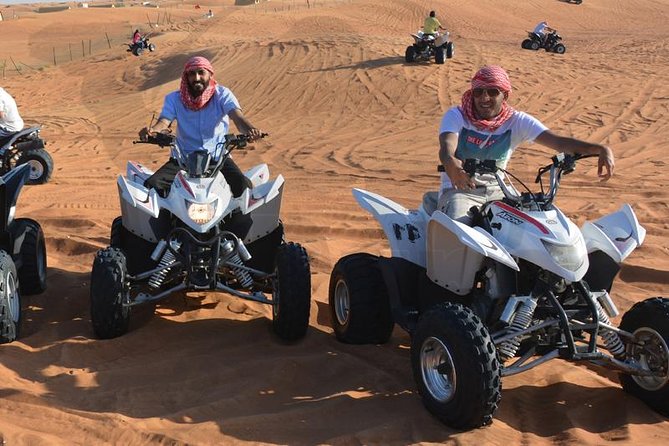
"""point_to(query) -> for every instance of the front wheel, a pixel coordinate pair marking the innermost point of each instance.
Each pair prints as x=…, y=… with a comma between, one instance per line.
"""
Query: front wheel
x=359, y=303
x=292, y=292
x=649, y=322
x=455, y=366
x=152, y=47
x=10, y=300
x=32, y=273
x=526, y=45
x=41, y=165
x=109, y=293
x=560, y=48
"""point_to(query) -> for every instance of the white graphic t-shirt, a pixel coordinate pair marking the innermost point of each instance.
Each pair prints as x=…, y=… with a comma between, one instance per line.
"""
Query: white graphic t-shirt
x=482, y=145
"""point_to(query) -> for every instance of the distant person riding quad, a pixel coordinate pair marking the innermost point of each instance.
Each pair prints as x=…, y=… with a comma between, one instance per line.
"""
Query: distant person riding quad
x=542, y=29
x=432, y=24
x=136, y=37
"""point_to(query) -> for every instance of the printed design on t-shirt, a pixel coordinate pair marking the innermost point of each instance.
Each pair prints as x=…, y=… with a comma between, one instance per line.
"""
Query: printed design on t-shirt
x=472, y=144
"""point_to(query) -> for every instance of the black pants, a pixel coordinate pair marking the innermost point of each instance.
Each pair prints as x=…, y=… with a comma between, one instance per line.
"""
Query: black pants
x=163, y=178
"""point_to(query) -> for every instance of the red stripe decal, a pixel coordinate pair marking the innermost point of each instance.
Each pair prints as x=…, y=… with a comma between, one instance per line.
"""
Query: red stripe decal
x=185, y=184
x=522, y=215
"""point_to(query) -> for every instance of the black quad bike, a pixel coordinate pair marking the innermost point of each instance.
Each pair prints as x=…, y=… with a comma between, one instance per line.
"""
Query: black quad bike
x=520, y=287
x=552, y=42
x=199, y=236
x=143, y=44
x=26, y=147
x=22, y=255
x=428, y=46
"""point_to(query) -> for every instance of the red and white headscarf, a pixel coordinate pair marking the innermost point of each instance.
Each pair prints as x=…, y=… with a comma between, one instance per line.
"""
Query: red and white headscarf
x=490, y=76
x=199, y=102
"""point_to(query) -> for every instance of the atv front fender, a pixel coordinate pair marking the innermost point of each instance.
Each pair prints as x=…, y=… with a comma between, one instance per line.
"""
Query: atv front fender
x=616, y=234
x=456, y=251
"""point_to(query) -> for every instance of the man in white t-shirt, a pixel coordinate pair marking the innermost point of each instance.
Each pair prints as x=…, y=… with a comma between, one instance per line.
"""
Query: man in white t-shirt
x=542, y=29
x=10, y=120
x=486, y=127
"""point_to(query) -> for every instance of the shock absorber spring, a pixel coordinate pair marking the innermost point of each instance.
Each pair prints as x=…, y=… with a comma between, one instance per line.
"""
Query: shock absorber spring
x=611, y=339
x=158, y=277
x=243, y=276
x=521, y=320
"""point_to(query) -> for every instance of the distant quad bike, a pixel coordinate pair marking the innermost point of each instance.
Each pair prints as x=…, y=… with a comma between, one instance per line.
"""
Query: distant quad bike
x=143, y=44
x=523, y=286
x=551, y=43
x=22, y=255
x=26, y=147
x=199, y=237
x=427, y=46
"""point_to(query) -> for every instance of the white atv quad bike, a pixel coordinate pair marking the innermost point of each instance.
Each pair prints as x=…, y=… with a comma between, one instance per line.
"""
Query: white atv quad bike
x=427, y=46
x=521, y=287
x=22, y=254
x=189, y=241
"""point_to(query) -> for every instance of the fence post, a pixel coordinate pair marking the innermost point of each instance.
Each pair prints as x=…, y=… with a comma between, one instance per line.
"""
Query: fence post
x=83, y=49
x=70, y=46
x=14, y=63
x=89, y=47
x=108, y=42
x=54, y=55
x=4, y=64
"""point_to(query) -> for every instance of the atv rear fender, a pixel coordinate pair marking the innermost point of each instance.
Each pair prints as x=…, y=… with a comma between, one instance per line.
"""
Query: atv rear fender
x=404, y=229
x=455, y=253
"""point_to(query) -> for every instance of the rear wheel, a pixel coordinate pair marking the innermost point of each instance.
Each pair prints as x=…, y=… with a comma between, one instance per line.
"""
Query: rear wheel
x=410, y=54
x=32, y=273
x=439, y=55
x=109, y=293
x=649, y=322
x=41, y=165
x=137, y=51
x=534, y=45
x=10, y=300
x=359, y=303
x=455, y=366
x=450, y=50
x=292, y=292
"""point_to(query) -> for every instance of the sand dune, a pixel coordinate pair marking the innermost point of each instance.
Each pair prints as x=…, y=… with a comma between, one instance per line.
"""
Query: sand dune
x=343, y=110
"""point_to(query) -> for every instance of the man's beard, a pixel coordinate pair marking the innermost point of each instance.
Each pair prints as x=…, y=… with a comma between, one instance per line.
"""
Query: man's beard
x=196, y=89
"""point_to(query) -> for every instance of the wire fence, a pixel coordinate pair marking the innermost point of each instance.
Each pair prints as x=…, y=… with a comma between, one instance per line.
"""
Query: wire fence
x=42, y=56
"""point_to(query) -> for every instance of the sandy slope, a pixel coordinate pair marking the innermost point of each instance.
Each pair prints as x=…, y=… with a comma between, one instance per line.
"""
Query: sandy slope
x=343, y=110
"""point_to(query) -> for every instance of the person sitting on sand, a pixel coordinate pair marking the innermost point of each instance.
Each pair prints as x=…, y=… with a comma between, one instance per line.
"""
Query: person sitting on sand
x=432, y=24
x=485, y=127
x=10, y=120
x=201, y=108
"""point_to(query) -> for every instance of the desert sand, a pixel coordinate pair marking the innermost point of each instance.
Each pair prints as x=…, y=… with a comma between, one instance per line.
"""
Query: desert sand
x=343, y=110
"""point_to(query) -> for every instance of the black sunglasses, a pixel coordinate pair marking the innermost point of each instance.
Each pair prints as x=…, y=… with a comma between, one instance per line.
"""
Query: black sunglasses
x=492, y=92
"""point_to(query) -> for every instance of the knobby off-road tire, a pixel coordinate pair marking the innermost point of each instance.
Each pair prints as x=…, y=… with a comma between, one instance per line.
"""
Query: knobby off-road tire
x=292, y=292
x=10, y=300
x=455, y=366
x=152, y=47
x=439, y=55
x=137, y=251
x=534, y=45
x=450, y=50
x=109, y=292
x=41, y=165
x=648, y=320
x=526, y=44
x=359, y=304
x=32, y=274
x=410, y=54
x=560, y=48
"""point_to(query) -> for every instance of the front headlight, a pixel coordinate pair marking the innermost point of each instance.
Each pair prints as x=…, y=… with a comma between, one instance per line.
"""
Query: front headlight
x=570, y=257
x=201, y=213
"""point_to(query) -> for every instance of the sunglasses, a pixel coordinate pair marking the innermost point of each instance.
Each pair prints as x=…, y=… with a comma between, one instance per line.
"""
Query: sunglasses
x=492, y=92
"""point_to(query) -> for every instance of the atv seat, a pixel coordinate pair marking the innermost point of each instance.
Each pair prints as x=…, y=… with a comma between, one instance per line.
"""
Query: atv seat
x=430, y=200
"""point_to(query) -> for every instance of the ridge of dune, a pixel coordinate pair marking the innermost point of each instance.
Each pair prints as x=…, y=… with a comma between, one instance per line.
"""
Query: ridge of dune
x=343, y=110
